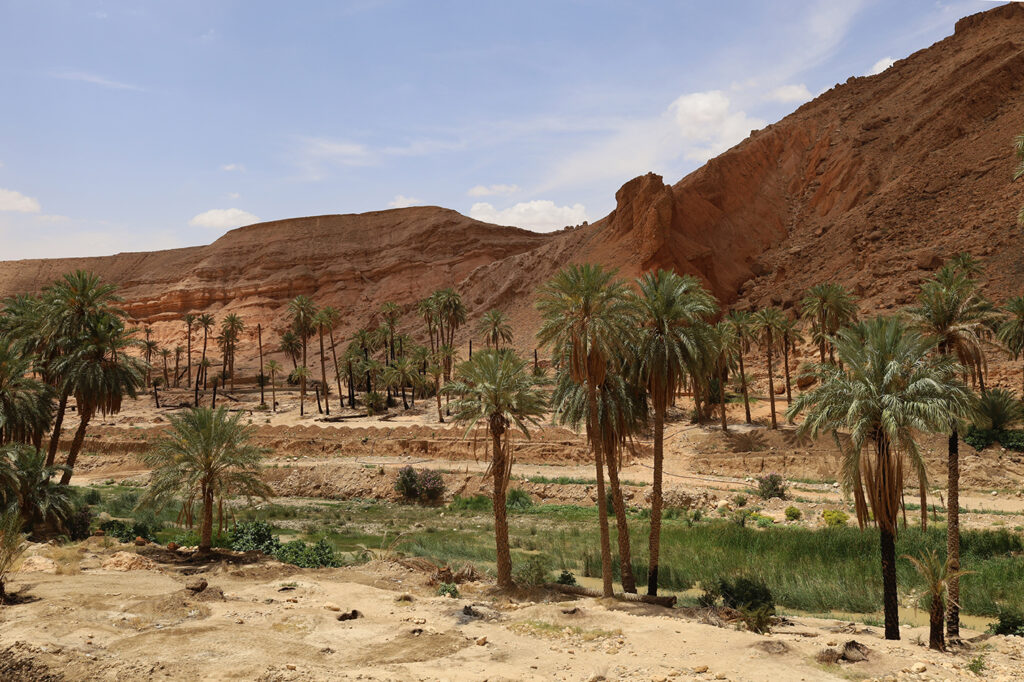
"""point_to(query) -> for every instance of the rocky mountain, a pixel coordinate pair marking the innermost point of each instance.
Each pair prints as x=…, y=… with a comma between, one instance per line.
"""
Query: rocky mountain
x=872, y=184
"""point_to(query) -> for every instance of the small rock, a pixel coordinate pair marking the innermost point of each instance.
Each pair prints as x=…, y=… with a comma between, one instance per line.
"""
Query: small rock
x=481, y=641
x=919, y=667
x=719, y=676
x=141, y=541
x=173, y=546
x=332, y=607
x=196, y=585
x=290, y=666
x=700, y=669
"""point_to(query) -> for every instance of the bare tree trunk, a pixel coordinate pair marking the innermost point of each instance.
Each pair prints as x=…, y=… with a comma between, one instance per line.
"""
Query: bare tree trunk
x=337, y=370
x=263, y=379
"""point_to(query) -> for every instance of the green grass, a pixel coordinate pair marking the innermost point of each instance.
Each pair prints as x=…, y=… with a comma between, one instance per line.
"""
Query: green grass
x=571, y=480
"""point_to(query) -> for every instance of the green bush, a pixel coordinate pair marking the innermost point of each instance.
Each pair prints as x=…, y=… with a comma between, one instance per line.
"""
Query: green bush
x=128, y=532
x=566, y=578
x=996, y=410
x=979, y=439
x=793, y=514
x=746, y=594
x=740, y=500
x=92, y=496
x=834, y=518
x=758, y=620
x=375, y=403
x=407, y=483
x=764, y=522
x=448, y=590
x=1010, y=623
x=79, y=524
x=772, y=485
x=431, y=485
x=253, y=536
x=518, y=500
x=480, y=503
x=317, y=555
x=533, y=571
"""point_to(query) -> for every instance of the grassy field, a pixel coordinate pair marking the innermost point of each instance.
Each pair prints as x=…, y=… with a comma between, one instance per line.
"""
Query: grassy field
x=835, y=569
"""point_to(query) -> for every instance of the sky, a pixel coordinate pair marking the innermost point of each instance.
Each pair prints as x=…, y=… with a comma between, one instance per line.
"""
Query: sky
x=129, y=125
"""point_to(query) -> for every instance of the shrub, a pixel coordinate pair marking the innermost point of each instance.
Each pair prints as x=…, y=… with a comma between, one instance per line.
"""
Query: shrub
x=375, y=403
x=92, y=496
x=709, y=597
x=758, y=620
x=764, y=522
x=448, y=590
x=740, y=500
x=834, y=518
x=431, y=485
x=772, y=485
x=253, y=536
x=793, y=514
x=407, y=483
x=977, y=665
x=533, y=571
x=128, y=532
x=317, y=555
x=747, y=594
x=480, y=503
x=997, y=409
x=79, y=524
x=566, y=578
x=1010, y=623
x=518, y=500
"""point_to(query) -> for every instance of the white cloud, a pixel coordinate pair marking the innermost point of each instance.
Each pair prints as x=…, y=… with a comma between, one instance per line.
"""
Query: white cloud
x=53, y=218
x=233, y=195
x=790, y=93
x=402, y=201
x=17, y=202
x=491, y=190
x=228, y=167
x=93, y=79
x=881, y=65
x=539, y=215
x=223, y=218
x=314, y=154
x=707, y=122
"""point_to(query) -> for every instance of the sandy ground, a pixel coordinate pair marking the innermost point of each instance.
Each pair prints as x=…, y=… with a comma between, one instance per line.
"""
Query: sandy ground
x=276, y=622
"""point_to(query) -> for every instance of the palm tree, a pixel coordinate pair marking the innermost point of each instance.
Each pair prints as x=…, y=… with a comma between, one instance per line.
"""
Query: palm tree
x=27, y=486
x=231, y=329
x=937, y=576
x=726, y=349
x=740, y=323
x=890, y=389
x=789, y=338
x=291, y=346
x=496, y=389
x=302, y=311
x=495, y=328
x=672, y=343
x=178, y=350
x=26, y=405
x=768, y=328
x=205, y=322
x=189, y=319
x=207, y=455
x=321, y=321
x=427, y=309
x=330, y=318
x=301, y=374
x=828, y=307
x=12, y=546
x=953, y=312
x=164, y=354
x=436, y=370
x=587, y=319
x=1011, y=331
x=273, y=367
x=390, y=313
x=398, y=375
x=451, y=314
x=99, y=374
x=149, y=347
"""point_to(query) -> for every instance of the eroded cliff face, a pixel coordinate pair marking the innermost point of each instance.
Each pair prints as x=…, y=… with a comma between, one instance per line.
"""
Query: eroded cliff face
x=872, y=184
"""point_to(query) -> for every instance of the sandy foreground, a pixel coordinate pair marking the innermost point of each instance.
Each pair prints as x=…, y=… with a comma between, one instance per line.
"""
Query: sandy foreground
x=268, y=621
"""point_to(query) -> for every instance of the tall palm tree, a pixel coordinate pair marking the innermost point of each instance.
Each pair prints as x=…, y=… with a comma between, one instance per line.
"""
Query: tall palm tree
x=725, y=350
x=302, y=311
x=427, y=309
x=291, y=346
x=330, y=318
x=26, y=405
x=673, y=342
x=301, y=374
x=768, y=327
x=164, y=354
x=231, y=328
x=99, y=374
x=206, y=455
x=189, y=319
x=588, y=317
x=205, y=322
x=322, y=322
x=495, y=328
x=891, y=388
x=451, y=312
x=828, y=307
x=398, y=375
x=390, y=312
x=1011, y=331
x=273, y=367
x=789, y=338
x=497, y=390
x=952, y=311
x=150, y=347
x=741, y=324
x=178, y=350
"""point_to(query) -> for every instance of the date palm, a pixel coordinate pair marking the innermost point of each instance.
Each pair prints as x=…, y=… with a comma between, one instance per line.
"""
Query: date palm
x=329, y=318
x=207, y=455
x=165, y=353
x=390, y=312
x=435, y=369
x=936, y=575
x=742, y=329
x=495, y=389
x=952, y=311
x=189, y=319
x=302, y=311
x=673, y=341
x=726, y=348
x=495, y=328
x=178, y=350
x=828, y=307
x=291, y=346
x=301, y=374
x=322, y=322
x=26, y=405
x=789, y=338
x=231, y=329
x=27, y=486
x=768, y=325
x=1011, y=332
x=588, y=318
x=274, y=368
x=398, y=375
x=150, y=348
x=205, y=322
x=892, y=387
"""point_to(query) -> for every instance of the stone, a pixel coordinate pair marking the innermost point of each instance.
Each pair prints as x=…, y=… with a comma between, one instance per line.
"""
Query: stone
x=700, y=669
x=196, y=584
x=919, y=667
x=480, y=641
x=141, y=541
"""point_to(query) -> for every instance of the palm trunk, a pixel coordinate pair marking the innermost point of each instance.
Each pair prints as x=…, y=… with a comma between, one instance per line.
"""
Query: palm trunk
x=167, y=378
x=58, y=422
x=924, y=506
x=654, y=542
x=273, y=393
x=263, y=378
x=337, y=371
x=953, y=538
x=189, y=359
x=302, y=381
x=935, y=639
x=771, y=387
x=889, y=596
x=789, y=391
x=76, y=446
x=593, y=432
x=721, y=398
x=177, y=369
x=323, y=372
x=437, y=392
x=351, y=387
x=405, y=405
x=625, y=555
x=202, y=362
x=743, y=387
x=206, y=532
x=504, y=556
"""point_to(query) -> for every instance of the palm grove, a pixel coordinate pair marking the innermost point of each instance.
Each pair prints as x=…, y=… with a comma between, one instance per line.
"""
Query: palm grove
x=622, y=354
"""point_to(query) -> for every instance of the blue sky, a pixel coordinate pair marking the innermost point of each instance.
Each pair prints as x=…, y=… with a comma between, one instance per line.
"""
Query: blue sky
x=131, y=125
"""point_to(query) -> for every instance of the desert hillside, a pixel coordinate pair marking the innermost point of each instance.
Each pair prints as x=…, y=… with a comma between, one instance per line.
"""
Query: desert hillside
x=873, y=183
